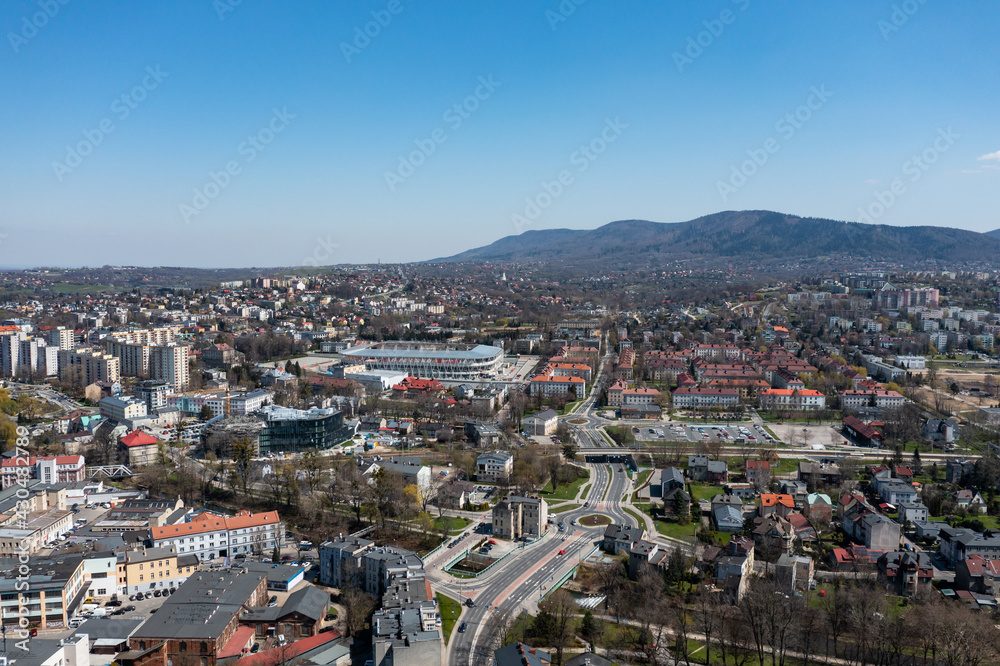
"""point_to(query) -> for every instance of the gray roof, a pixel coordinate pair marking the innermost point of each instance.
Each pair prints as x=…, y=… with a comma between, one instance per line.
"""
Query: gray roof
x=203, y=606
x=519, y=654
x=671, y=474
x=727, y=515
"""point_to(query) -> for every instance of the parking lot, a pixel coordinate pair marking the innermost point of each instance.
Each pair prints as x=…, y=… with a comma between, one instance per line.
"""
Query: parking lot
x=735, y=434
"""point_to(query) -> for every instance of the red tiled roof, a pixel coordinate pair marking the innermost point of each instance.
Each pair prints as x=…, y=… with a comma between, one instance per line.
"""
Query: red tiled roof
x=280, y=655
x=138, y=438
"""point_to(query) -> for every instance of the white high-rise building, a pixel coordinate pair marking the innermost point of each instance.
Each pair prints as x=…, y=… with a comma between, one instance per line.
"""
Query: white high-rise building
x=60, y=337
x=170, y=363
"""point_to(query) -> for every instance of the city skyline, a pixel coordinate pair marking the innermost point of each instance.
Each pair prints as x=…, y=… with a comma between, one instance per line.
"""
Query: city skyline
x=234, y=134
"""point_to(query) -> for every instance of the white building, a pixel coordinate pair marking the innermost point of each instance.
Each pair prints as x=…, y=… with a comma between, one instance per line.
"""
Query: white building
x=494, y=465
x=455, y=361
x=209, y=536
x=170, y=362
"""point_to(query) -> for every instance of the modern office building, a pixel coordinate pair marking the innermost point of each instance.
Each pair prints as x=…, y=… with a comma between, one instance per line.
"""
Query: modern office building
x=288, y=430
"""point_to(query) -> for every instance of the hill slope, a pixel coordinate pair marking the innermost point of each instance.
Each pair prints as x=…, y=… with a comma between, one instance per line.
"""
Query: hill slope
x=995, y=233
x=742, y=236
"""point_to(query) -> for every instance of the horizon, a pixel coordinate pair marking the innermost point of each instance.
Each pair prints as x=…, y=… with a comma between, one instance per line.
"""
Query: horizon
x=231, y=134
x=390, y=263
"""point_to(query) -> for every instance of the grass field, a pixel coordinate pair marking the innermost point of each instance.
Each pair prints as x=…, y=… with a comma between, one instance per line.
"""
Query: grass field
x=452, y=523
x=676, y=530
x=569, y=506
x=565, y=491
x=450, y=611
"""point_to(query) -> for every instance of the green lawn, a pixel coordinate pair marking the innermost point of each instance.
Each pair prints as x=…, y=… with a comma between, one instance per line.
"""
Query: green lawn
x=643, y=478
x=450, y=610
x=452, y=523
x=565, y=491
x=676, y=530
x=704, y=491
x=569, y=506
x=634, y=514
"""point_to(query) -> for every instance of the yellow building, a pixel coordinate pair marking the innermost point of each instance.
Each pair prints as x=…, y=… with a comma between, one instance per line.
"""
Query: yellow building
x=149, y=569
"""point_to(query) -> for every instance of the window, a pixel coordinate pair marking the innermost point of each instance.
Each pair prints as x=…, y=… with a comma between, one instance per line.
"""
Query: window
x=183, y=647
x=204, y=647
x=140, y=576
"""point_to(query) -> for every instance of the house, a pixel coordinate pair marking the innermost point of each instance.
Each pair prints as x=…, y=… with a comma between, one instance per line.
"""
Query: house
x=818, y=508
x=415, y=387
x=139, y=448
x=645, y=553
x=819, y=474
x=727, y=518
x=759, y=473
x=862, y=523
x=519, y=654
x=978, y=575
x=621, y=538
x=970, y=500
x=958, y=543
x=957, y=469
x=940, y=431
x=797, y=489
x=455, y=494
x=913, y=512
x=774, y=532
x=903, y=572
x=717, y=472
x=794, y=573
x=697, y=468
x=854, y=558
x=669, y=479
x=804, y=531
x=896, y=493
x=773, y=503
x=542, y=423
x=494, y=466
x=410, y=471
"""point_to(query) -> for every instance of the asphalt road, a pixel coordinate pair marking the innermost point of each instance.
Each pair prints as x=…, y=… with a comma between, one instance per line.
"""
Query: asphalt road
x=521, y=582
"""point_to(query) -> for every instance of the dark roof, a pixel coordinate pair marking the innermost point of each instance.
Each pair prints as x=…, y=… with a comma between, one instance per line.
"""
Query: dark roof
x=519, y=654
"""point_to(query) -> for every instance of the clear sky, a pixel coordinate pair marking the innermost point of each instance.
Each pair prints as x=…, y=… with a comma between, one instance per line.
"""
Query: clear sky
x=266, y=132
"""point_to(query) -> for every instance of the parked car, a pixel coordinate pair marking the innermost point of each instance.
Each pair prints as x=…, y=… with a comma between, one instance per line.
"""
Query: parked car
x=254, y=648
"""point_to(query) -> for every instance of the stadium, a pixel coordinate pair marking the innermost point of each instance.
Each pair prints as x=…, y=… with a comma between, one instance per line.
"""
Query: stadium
x=430, y=360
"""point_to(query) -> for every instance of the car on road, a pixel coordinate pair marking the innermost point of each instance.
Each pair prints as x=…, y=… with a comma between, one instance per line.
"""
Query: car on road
x=562, y=552
x=470, y=603
x=462, y=627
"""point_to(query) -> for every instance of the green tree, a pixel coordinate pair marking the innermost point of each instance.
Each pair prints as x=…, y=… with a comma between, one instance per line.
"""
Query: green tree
x=206, y=413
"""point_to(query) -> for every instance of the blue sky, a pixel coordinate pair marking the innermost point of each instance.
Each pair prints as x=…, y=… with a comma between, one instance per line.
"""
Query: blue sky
x=266, y=133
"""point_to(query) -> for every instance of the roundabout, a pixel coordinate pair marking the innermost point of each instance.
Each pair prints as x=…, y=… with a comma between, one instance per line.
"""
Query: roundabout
x=594, y=520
